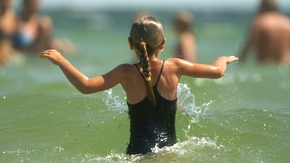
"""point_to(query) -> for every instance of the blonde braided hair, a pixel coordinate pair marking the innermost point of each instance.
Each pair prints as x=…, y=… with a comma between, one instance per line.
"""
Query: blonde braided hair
x=147, y=35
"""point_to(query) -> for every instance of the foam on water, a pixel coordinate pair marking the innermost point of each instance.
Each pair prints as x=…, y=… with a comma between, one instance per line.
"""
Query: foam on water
x=189, y=148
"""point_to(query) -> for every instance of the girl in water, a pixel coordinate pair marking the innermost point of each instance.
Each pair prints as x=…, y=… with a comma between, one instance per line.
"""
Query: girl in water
x=150, y=84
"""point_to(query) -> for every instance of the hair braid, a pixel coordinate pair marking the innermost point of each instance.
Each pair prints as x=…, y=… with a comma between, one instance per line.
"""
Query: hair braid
x=144, y=59
x=147, y=35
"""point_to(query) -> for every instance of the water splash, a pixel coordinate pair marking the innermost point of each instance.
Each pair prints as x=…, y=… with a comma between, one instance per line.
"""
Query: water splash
x=186, y=101
x=115, y=102
x=193, y=147
x=186, y=104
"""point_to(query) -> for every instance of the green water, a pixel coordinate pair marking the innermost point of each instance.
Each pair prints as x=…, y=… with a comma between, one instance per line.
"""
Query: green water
x=242, y=117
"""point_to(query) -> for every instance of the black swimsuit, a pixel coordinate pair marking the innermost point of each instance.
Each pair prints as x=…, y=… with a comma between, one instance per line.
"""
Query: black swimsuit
x=150, y=125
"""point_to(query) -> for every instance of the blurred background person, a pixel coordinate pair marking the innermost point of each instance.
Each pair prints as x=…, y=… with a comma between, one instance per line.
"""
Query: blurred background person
x=269, y=35
x=7, y=29
x=34, y=32
x=186, y=45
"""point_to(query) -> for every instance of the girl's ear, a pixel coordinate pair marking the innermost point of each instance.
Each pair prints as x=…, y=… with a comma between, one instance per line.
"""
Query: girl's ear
x=161, y=47
x=130, y=43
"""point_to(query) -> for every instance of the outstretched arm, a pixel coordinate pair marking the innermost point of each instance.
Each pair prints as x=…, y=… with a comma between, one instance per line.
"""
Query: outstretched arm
x=80, y=81
x=214, y=71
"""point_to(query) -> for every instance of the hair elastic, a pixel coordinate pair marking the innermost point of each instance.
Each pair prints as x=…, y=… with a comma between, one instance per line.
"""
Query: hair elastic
x=142, y=43
x=148, y=79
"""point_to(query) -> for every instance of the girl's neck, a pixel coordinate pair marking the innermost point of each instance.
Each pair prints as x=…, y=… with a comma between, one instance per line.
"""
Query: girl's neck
x=152, y=59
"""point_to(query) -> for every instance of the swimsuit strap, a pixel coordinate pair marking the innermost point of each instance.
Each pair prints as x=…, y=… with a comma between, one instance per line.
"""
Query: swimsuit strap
x=139, y=71
x=158, y=75
x=160, y=72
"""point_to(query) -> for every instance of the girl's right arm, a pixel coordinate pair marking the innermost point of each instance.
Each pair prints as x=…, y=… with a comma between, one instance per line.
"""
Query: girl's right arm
x=80, y=81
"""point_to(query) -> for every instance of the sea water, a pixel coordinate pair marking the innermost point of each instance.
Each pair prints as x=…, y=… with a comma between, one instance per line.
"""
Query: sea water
x=242, y=117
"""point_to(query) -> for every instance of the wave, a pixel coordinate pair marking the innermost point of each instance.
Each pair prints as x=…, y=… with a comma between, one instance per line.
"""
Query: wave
x=46, y=127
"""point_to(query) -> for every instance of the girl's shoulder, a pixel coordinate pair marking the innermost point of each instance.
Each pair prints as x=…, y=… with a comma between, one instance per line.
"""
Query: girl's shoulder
x=178, y=64
x=171, y=60
x=126, y=67
x=173, y=63
x=176, y=61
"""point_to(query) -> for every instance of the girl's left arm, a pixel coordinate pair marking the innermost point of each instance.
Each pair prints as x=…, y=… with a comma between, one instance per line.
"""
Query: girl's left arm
x=213, y=71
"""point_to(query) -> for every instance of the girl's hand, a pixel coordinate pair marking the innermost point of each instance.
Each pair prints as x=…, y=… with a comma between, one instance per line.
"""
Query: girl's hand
x=231, y=59
x=53, y=55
